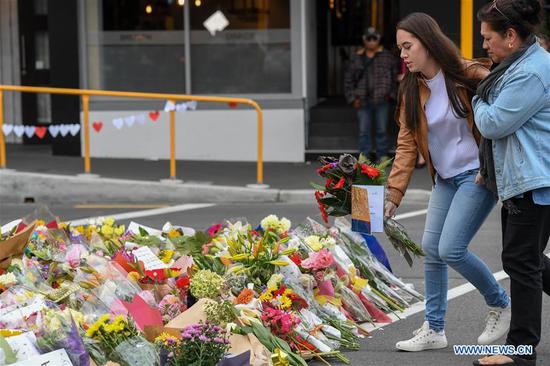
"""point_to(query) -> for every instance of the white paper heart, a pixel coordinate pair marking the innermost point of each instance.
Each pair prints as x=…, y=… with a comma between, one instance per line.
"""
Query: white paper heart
x=29, y=131
x=118, y=123
x=74, y=129
x=7, y=129
x=141, y=119
x=64, y=130
x=54, y=130
x=169, y=106
x=130, y=120
x=182, y=107
x=19, y=130
x=192, y=105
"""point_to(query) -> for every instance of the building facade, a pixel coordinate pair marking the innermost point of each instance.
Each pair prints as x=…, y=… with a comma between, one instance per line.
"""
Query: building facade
x=289, y=55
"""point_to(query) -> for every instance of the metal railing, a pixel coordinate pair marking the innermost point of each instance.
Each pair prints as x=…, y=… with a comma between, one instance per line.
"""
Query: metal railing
x=86, y=94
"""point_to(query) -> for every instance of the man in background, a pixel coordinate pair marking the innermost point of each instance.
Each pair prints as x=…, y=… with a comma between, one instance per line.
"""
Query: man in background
x=370, y=84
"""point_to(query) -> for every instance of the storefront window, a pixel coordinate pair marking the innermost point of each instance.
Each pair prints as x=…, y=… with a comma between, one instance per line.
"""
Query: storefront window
x=251, y=55
x=139, y=45
x=135, y=45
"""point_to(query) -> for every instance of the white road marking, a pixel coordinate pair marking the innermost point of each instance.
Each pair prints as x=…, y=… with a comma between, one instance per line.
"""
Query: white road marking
x=145, y=213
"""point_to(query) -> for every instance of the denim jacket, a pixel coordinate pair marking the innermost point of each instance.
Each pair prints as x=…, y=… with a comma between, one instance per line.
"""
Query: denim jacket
x=517, y=119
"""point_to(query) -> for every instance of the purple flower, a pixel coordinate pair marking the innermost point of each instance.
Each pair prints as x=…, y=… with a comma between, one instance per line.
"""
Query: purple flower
x=203, y=338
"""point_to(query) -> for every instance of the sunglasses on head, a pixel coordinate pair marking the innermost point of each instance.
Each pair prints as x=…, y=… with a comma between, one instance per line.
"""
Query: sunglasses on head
x=495, y=7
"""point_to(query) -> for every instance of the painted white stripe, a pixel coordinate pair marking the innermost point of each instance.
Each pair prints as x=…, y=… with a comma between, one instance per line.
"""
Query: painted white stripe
x=145, y=213
x=411, y=214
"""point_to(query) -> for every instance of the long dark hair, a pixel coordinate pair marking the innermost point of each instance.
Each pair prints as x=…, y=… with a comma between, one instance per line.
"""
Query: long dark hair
x=521, y=15
x=447, y=56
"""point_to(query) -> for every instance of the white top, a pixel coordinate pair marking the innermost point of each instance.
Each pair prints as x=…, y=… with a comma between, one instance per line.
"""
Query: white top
x=452, y=146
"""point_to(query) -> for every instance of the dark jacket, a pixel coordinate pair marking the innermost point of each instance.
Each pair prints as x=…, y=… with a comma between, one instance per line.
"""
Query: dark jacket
x=386, y=68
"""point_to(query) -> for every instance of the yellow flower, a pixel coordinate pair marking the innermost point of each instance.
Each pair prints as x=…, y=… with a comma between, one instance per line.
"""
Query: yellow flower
x=109, y=221
x=107, y=230
x=286, y=303
x=173, y=233
x=40, y=223
x=80, y=229
x=314, y=243
x=119, y=230
x=267, y=295
x=166, y=256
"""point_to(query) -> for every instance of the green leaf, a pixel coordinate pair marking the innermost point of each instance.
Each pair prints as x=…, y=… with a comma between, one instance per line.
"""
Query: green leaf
x=8, y=351
x=316, y=186
x=143, y=232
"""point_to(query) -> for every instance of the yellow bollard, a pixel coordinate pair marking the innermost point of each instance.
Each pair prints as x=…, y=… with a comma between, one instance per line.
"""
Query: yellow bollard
x=86, y=110
x=2, y=142
x=260, y=162
x=173, y=143
x=467, y=28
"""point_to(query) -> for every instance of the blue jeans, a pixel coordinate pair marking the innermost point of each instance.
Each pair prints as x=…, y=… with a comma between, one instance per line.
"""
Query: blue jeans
x=378, y=113
x=456, y=211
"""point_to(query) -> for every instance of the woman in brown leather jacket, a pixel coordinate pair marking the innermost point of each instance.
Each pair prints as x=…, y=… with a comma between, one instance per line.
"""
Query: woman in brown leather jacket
x=435, y=117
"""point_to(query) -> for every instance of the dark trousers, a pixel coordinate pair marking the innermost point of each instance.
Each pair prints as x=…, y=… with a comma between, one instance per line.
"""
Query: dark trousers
x=525, y=237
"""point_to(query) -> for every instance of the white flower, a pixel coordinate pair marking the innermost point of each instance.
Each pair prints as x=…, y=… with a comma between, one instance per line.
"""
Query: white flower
x=279, y=226
x=275, y=280
x=8, y=279
x=328, y=242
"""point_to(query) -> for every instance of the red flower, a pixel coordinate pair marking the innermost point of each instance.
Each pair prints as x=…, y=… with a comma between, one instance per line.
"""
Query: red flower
x=183, y=282
x=322, y=206
x=328, y=183
x=340, y=184
x=372, y=172
x=296, y=258
x=323, y=168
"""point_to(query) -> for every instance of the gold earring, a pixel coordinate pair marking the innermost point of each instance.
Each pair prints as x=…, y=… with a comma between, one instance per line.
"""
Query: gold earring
x=510, y=45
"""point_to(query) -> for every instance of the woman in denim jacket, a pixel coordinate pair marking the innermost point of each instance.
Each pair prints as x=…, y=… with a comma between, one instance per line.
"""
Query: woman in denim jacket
x=512, y=112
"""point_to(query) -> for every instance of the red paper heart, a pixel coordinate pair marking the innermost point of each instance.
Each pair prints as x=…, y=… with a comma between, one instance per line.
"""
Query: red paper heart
x=40, y=131
x=97, y=126
x=154, y=115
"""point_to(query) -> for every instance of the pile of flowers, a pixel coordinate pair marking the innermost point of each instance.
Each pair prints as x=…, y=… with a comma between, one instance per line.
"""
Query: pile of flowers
x=105, y=292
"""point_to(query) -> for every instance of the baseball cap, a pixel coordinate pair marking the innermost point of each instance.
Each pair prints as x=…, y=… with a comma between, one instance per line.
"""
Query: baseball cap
x=371, y=32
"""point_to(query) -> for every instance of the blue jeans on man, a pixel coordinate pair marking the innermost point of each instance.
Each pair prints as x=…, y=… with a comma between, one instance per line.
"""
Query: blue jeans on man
x=377, y=112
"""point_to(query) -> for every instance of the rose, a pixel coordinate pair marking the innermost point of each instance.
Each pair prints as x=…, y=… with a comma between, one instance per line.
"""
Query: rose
x=319, y=260
x=347, y=163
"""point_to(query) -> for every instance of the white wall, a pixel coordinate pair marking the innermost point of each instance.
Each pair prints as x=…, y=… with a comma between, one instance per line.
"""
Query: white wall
x=228, y=135
x=9, y=62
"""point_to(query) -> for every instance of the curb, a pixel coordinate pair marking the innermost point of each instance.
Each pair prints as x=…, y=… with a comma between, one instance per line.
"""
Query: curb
x=16, y=187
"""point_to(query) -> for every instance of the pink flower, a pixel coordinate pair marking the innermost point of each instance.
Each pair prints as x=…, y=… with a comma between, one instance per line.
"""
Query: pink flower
x=213, y=230
x=73, y=256
x=319, y=260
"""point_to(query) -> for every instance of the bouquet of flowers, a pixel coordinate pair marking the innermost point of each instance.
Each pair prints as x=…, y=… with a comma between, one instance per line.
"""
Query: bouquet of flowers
x=201, y=344
x=119, y=339
x=60, y=329
x=335, y=197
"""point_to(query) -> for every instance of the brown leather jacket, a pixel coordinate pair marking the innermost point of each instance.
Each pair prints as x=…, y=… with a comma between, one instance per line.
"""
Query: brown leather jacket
x=409, y=141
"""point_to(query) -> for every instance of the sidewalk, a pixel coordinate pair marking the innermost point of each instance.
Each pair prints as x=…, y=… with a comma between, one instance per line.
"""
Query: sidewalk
x=291, y=178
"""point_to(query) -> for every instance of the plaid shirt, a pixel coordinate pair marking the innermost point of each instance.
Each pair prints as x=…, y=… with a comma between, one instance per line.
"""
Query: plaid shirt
x=386, y=68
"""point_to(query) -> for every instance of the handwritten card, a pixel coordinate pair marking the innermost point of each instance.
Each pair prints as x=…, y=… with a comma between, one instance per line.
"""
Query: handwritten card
x=375, y=203
x=24, y=345
x=55, y=358
x=149, y=259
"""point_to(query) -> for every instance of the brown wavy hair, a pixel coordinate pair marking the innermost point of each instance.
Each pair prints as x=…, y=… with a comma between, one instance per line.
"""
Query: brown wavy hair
x=446, y=54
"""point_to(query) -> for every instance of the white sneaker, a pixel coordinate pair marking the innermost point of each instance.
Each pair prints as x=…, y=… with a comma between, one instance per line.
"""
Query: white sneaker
x=497, y=325
x=424, y=338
